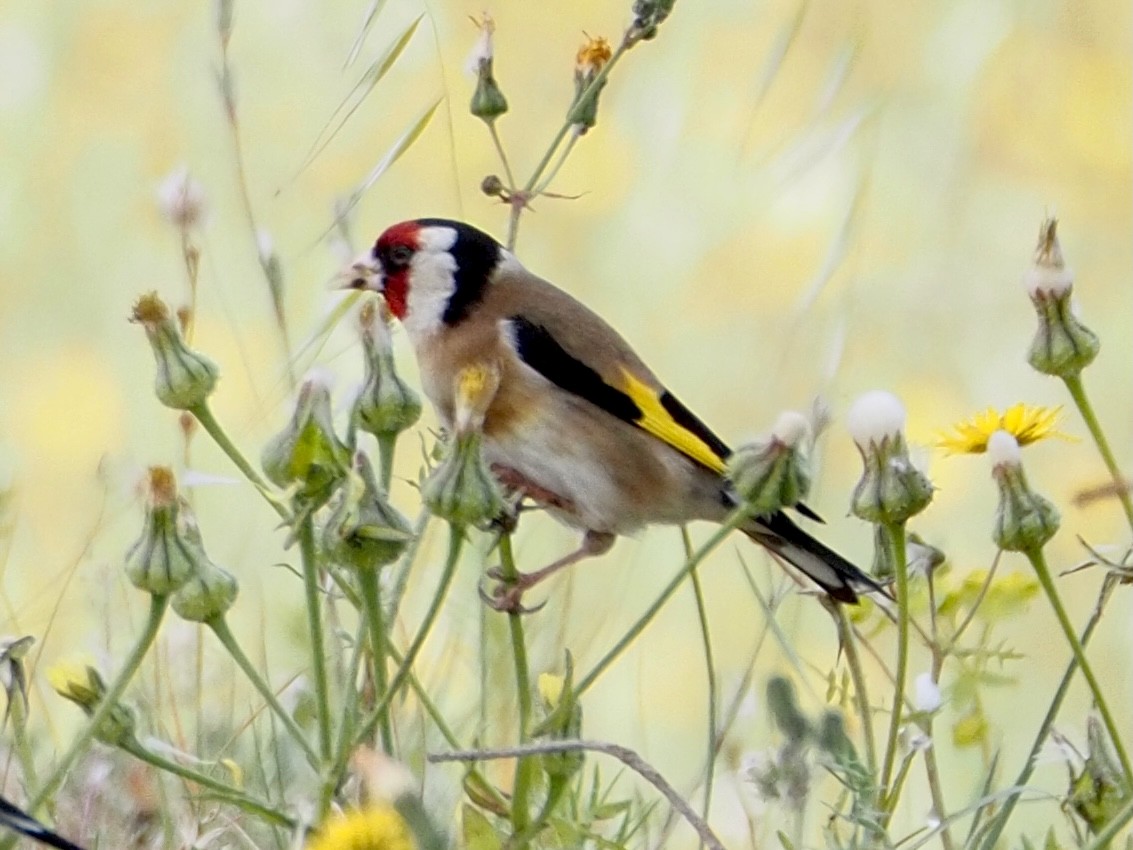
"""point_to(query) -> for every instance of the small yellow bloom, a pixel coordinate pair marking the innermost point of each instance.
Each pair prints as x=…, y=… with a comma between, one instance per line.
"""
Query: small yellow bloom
x=551, y=688
x=1025, y=424
x=78, y=682
x=593, y=55
x=373, y=828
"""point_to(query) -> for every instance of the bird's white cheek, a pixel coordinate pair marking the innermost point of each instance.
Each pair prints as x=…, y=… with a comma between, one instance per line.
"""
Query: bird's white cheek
x=431, y=286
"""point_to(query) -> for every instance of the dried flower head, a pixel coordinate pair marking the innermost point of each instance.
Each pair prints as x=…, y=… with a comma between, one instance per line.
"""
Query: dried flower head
x=1027, y=424
x=181, y=199
x=593, y=55
x=185, y=378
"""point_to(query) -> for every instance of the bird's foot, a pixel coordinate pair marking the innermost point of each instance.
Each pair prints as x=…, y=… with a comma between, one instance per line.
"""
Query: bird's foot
x=506, y=594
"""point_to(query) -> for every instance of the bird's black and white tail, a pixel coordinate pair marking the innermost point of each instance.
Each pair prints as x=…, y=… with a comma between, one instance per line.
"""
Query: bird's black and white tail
x=825, y=567
x=17, y=820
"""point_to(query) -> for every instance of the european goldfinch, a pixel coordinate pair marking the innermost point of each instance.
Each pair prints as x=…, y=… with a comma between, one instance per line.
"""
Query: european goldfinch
x=579, y=424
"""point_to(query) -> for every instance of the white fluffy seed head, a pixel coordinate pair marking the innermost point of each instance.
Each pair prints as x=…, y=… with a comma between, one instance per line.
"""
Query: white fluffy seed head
x=874, y=416
x=926, y=694
x=1048, y=280
x=483, y=50
x=1003, y=449
x=790, y=428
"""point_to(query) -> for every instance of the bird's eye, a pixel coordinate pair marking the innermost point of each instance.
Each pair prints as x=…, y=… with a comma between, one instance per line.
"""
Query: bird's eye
x=400, y=255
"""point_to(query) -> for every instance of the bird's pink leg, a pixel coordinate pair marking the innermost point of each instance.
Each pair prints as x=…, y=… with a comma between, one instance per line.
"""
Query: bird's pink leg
x=508, y=594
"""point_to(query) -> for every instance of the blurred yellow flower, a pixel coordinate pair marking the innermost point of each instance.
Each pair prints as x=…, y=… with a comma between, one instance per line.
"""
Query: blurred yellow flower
x=1025, y=424
x=372, y=828
x=77, y=681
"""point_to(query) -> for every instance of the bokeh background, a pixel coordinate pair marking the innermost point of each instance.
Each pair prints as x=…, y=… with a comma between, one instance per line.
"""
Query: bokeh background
x=781, y=200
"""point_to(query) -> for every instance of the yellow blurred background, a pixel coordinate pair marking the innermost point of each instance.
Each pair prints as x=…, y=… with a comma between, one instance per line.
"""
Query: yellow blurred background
x=781, y=200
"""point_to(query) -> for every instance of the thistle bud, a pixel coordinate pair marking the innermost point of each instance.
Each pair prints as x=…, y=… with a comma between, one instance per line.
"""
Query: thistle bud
x=386, y=405
x=207, y=595
x=365, y=531
x=891, y=488
x=1100, y=791
x=773, y=473
x=185, y=378
x=488, y=101
x=82, y=685
x=168, y=552
x=462, y=489
x=591, y=59
x=648, y=15
x=1024, y=520
x=1062, y=346
x=784, y=708
x=307, y=452
x=563, y=721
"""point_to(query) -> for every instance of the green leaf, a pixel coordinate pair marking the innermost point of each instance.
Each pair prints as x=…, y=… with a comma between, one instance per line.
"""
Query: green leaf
x=402, y=144
x=785, y=841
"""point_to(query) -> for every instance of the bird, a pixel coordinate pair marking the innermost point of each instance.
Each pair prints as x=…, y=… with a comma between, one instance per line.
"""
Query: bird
x=578, y=424
x=17, y=820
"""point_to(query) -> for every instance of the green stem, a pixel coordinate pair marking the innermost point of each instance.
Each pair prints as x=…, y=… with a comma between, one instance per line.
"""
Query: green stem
x=525, y=769
x=500, y=150
x=857, y=674
x=386, y=445
x=1082, y=402
x=372, y=605
x=729, y=525
x=446, y=730
x=995, y=828
x=896, y=534
x=203, y=413
x=528, y=190
x=231, y=794
x=1038, y=561
x=106, y=705
x=709, y=672
x=220, y=628
x=405, y=668
x=315, y=627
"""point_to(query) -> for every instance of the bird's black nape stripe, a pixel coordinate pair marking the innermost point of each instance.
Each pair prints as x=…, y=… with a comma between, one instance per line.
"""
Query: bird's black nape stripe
x=542, y=352
x=689, y=421
x=477, y=254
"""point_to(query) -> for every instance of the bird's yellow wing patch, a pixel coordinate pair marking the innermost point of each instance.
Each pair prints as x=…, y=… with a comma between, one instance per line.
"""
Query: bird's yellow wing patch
x=667, y=419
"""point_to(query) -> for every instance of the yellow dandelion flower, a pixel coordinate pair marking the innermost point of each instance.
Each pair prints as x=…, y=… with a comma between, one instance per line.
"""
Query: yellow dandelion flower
x=372, y=828
x=1026, y=424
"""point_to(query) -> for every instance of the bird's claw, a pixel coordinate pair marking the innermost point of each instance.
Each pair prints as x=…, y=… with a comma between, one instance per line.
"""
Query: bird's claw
x=506, y=595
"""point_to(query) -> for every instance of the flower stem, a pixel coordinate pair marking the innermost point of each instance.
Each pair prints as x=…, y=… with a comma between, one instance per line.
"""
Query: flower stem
x=1082, y=402
x=231, y=794
x=315, y=626
x=113, y=694
x=995, y=828
x=386, y=445
x=896, y=533
x=528, y=190
x=709, y=673
x=525, y=768
x=369, y=581
x=1038, y=561
x=220, y=628
x=405, y=668
x=500, y=150
x=204, y=415
x=729, y=525
x=857, y=674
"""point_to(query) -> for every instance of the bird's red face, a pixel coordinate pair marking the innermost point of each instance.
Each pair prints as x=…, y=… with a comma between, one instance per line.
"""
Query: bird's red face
x=432, y=272
x=394, y=252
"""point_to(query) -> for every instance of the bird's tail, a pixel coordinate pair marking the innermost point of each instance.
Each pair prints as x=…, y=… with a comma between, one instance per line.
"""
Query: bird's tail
x=825, y=567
